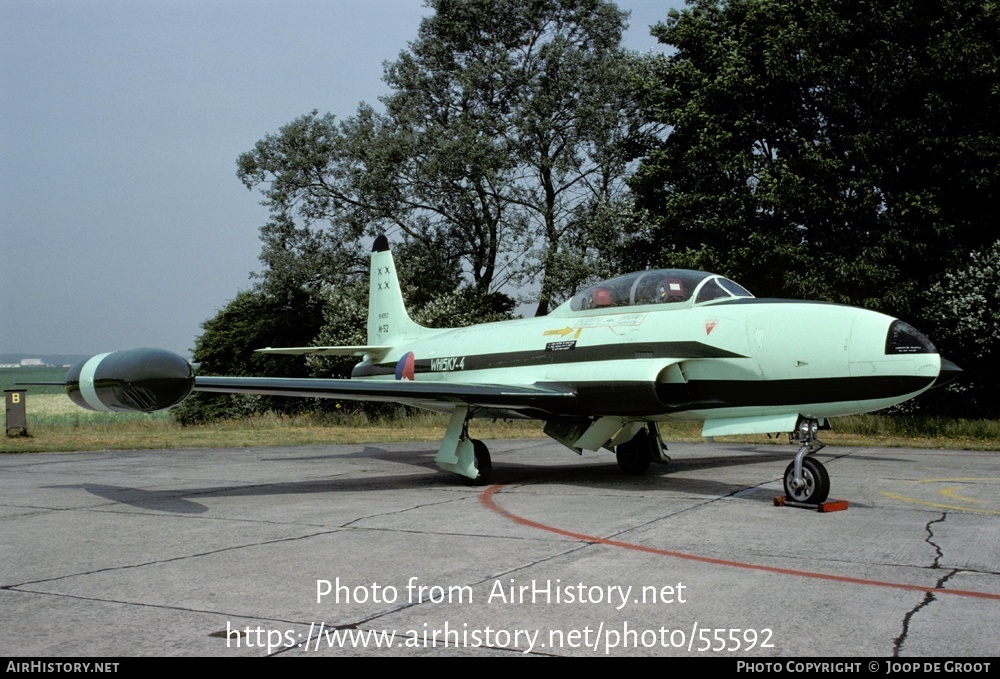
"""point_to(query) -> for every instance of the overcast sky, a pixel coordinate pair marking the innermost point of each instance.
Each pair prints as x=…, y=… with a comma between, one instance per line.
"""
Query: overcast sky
x=122, y=222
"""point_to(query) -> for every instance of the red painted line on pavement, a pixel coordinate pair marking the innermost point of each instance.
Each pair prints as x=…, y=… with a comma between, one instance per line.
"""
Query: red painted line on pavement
x=487, y=499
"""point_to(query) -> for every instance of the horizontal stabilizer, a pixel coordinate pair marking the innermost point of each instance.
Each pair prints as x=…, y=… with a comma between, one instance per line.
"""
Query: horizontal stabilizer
x=376, y=353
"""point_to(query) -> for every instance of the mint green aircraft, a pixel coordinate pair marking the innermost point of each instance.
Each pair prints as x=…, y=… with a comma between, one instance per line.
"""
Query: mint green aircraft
x=606, y=369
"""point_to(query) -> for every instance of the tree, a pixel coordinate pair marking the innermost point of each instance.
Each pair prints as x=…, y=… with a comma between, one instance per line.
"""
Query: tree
x=499, y=159
x=539, y=92
x=825, y=148
x=251, y=320
x=504, y=144
x=964, y=311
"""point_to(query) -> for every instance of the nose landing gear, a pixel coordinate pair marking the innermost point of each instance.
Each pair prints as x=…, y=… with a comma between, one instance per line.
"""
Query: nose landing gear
x=806, y=479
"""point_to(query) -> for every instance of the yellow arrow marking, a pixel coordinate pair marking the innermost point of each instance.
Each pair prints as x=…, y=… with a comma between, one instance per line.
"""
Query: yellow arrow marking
x=562, y=331
x=947, y=492
x=950, y=492
x=937, y=504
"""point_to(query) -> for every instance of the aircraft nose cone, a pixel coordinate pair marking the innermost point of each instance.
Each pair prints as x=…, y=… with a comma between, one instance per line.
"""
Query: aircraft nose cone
x=949, y=371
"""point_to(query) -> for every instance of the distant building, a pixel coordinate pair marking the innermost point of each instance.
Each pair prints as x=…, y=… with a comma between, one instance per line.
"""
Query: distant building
x=33, y=363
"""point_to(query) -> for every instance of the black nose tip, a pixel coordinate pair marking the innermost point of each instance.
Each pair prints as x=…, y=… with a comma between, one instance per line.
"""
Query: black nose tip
x=949, y=371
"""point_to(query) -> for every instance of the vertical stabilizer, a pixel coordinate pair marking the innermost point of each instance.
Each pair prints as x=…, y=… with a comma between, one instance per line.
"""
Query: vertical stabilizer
x=388, y=322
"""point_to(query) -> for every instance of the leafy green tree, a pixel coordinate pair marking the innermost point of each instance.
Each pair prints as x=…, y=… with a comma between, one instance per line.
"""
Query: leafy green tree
x=499, y=159
x=963, y=309
x=825, y=148
x=504, y=144
x=250, y=321
x=539, y=93
x=314, y=234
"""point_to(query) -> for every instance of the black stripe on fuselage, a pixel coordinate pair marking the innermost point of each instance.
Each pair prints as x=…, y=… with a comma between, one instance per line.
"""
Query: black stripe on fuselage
x=699, y=394
x=644, y=399
x=542, y=357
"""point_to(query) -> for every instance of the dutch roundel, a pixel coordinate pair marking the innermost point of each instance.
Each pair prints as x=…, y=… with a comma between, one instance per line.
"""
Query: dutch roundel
x=404, y=369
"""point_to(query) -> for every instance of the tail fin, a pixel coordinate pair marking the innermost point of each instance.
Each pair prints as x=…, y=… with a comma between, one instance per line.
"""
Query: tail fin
x=388, y=321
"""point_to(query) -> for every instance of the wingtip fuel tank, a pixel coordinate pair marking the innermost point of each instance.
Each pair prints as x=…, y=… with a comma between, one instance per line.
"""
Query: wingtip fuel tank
x=143, y=380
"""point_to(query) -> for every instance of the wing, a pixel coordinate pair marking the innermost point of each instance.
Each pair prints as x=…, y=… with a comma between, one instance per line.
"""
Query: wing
x=545, y=397
x=145, y=380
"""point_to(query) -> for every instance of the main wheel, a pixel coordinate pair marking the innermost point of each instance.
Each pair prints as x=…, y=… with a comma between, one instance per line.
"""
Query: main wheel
x=483, y=463
x=633, y=456
x=817, y=482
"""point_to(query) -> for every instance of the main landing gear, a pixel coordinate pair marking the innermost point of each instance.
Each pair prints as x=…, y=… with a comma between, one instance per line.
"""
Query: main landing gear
x=634, y=456
x=806, y=479
x=467, y=457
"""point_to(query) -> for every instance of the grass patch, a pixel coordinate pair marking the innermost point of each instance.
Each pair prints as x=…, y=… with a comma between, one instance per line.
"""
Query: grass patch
x=917, y=431
x=55, y=424
x=158, y=432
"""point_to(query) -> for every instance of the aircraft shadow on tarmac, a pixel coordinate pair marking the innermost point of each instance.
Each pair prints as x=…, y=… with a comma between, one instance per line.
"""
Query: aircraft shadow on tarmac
x=593, y=473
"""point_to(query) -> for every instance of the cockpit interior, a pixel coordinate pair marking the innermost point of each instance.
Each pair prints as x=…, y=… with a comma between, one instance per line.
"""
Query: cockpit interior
x=680, y=287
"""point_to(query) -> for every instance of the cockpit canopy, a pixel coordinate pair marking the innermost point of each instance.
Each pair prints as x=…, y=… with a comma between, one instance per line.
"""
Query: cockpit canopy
x=659, y=286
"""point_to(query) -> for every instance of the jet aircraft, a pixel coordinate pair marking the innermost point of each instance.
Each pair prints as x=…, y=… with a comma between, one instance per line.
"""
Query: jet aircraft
x=606, y=369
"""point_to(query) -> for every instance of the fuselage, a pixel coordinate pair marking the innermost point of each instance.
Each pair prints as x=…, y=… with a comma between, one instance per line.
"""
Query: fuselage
x=694, y=357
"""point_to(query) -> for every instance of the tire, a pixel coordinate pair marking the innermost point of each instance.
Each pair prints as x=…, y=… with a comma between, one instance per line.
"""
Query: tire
x=633, y=457
x=817, y=482
x=483, y=463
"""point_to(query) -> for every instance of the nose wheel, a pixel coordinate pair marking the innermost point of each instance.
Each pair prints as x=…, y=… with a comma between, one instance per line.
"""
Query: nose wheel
x=814, y=487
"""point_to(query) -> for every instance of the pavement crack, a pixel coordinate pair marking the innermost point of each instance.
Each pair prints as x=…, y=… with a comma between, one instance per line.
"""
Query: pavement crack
x=403, y=510
x=22, y=585
x=929, y=597
x=929, y=527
